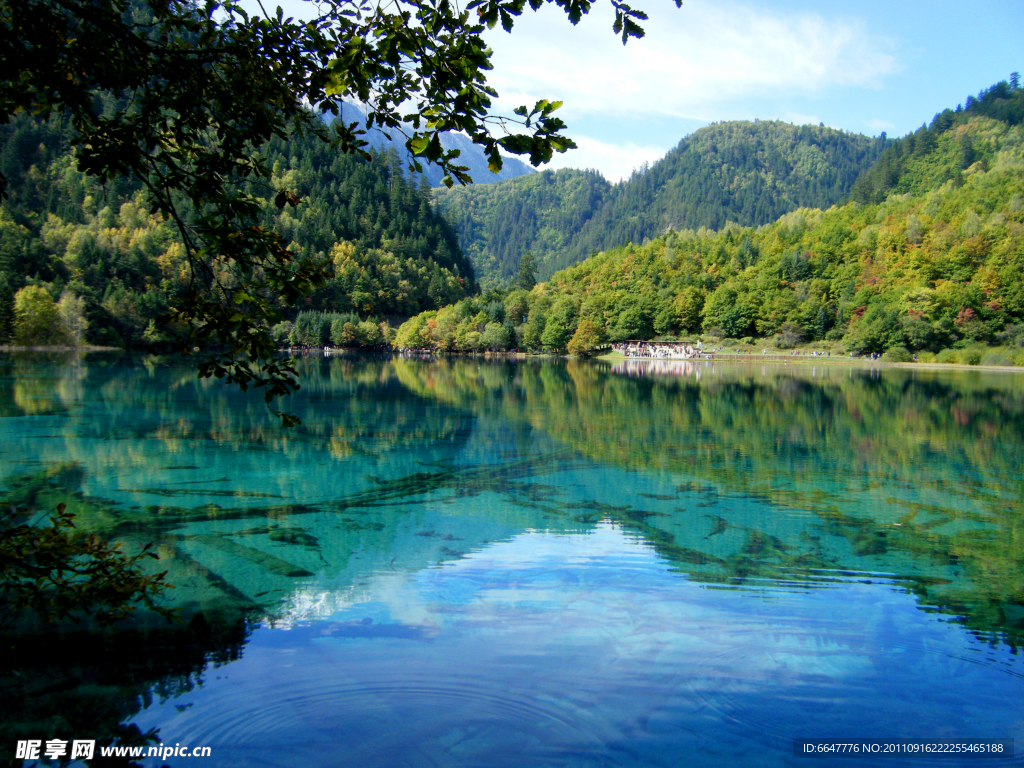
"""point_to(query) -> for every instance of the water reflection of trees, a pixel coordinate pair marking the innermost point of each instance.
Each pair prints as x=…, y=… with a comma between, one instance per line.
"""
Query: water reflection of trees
x=107, y=414
x=859, y=453
x=913, y=470
x=89, y=683
x=68, y=682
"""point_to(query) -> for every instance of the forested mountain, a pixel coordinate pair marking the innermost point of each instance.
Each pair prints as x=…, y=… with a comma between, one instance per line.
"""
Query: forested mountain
x=936, y=268
x=117, y=266
x=541, y=213
x=897, y=168
x=746, y=172
x=472, y=155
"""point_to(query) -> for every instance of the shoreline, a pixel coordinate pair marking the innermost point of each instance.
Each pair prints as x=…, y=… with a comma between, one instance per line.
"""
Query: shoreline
x=783, y=359
x=776, y=358
x=82, y=348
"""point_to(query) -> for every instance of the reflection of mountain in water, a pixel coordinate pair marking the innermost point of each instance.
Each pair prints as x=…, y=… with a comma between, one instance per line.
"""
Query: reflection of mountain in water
x=251, y=523
x=777, y=473
x=795, y=474
x=752, y=478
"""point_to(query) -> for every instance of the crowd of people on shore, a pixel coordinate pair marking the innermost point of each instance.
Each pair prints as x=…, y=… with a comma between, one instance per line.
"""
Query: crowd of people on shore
x=696, y=350
x=656, y=350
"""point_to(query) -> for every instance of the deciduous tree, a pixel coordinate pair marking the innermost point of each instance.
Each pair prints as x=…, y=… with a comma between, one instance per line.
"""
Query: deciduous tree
x=589, y=336
x=36, y=319
x=182, y=96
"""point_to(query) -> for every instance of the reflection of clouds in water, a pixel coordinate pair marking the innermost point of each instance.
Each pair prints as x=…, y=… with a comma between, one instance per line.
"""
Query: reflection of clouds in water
x=534, y=547
x=315, y=602
x=552, y=645
x=606, y=591
x=312, y=602
x=780, y=477
x=409, y=600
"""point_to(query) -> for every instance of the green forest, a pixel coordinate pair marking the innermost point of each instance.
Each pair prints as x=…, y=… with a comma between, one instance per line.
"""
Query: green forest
x=745, y=172
x=934, y=269
x=85, y=262
x=746, y=231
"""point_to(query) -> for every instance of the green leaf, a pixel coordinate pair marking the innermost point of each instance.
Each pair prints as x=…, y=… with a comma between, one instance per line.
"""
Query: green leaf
x=418, y=146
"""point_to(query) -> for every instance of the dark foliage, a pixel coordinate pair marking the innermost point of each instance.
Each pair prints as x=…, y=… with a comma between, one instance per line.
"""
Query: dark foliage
x=748, y=173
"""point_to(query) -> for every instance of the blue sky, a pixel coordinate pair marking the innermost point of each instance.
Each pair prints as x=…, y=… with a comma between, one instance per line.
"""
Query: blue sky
x=863, y=67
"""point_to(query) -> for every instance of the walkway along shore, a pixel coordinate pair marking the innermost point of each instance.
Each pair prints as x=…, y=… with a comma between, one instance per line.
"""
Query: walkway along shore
x=807, y=359
x=685, y=350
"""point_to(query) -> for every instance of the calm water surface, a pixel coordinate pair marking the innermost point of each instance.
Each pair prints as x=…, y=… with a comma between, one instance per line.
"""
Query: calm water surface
x=521, y=564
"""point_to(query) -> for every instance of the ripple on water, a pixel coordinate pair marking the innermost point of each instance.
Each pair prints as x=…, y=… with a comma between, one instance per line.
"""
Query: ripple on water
x=607, y=675
x=407, y=718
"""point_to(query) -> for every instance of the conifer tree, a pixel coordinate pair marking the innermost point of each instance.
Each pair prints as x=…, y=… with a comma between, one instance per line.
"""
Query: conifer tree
x=182, y=96
x=527, y=277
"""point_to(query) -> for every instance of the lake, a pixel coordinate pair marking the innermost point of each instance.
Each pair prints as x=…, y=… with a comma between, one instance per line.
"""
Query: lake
x=532, y=563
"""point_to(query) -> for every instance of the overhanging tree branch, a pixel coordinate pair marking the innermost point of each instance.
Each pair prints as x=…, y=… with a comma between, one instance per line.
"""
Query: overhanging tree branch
x=194, y=90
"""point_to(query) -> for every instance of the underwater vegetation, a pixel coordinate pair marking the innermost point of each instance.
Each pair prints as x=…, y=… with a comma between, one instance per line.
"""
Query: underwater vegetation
x=911, y=475
x=739, y=480
x=770, y=473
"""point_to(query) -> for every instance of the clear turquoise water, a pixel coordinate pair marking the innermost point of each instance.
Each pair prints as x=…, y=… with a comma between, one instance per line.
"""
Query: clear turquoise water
x=475, y=564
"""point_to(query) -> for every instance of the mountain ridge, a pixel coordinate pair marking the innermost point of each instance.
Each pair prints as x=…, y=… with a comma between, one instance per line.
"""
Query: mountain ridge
x=748, y=172
x=934, y=270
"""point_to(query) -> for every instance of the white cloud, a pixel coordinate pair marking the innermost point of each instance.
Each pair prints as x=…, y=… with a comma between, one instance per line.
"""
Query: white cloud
x=615, y=161
x=691, y=61
x=709, y=60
